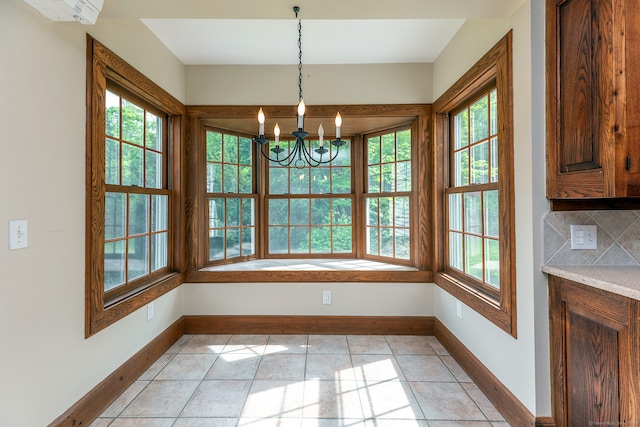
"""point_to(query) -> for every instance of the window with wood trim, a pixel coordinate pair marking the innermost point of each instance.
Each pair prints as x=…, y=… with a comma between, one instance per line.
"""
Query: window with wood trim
x=133, y=249
x=476, y=216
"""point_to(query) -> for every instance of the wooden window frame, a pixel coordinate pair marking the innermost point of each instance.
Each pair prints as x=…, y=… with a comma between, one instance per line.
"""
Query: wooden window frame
x=495, y=65
x=200, y=116
x=104, y=69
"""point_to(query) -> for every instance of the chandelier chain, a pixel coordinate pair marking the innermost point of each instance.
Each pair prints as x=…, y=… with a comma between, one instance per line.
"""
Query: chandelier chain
x=299, y=58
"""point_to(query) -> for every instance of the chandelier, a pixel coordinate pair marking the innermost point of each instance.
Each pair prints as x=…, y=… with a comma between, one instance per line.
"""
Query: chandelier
x=301, y=154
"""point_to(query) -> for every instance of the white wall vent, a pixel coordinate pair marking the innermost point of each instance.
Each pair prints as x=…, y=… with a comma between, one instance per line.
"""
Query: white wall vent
x=83, y=11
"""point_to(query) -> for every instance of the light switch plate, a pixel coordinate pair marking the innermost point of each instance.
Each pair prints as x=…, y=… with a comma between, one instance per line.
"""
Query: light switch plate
x=584, y=237
x=18, y=234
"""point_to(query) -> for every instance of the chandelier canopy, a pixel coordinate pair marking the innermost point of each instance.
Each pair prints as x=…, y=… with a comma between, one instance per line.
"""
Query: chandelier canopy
x=301, y=154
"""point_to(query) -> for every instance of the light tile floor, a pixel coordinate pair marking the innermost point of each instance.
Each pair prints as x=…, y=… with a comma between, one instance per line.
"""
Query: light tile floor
x=303, y=381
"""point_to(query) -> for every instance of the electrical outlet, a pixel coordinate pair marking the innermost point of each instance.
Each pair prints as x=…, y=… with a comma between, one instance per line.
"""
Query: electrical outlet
x=584, y=237
x=150, y=309
x=326, y=297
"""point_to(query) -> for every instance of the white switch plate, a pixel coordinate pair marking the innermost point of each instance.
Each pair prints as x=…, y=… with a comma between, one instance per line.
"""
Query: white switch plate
x=149, y=311
x=584, y=237
x=326, y=297
x=459, y=309
x=18, y=234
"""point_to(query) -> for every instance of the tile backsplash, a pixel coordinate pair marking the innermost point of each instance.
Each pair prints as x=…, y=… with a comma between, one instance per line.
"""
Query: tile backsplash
x=618, y=235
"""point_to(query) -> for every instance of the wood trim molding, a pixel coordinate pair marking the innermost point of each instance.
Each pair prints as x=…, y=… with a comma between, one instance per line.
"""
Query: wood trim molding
x=354, y=325
x=509, y=406
x=308, y=276
x=91, y=405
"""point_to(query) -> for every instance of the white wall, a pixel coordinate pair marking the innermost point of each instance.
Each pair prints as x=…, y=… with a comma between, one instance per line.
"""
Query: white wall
x=512, y=361
x=46, y=364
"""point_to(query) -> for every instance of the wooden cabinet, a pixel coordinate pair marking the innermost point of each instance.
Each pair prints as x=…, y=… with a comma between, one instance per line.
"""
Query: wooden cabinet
x=593, y=99
x=595, y=356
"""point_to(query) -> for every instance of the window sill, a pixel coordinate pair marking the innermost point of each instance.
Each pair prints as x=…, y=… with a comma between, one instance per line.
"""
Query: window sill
x=297, y=270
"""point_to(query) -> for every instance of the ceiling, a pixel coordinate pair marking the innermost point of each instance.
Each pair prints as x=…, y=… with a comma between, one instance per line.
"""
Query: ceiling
x=254, y=32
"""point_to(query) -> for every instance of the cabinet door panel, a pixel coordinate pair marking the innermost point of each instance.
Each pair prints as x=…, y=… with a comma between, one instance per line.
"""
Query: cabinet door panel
x=592, y=371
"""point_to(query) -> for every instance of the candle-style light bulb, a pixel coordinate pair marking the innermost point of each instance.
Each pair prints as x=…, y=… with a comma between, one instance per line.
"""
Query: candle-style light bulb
x=276, y=132
x=320, y=134
x=338, y=124
x=301, y=109
x=261, y=121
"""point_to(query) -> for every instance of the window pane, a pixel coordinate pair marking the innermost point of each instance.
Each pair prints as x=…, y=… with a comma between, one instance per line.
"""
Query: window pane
x=153, y=134
x=401, y=212
x=374, y=150
x=230, y=148
x=245, y=151
x=278, y=240
x=230, y=178
x=494, y=111
x=300, y=211
x=494, y=159
x=138, y=214
x=278, y=211
x=473, y=256
x=248, y=212
x=492, y=263
x=300, y=240
x=491, y=213
x=479, y=112
x=112, y=162
x=461, y=168
x=246, y=179
x=138, y=257
x=214, y=147
x=299, y=181
x=374, y=179
x=214, y=178
x=372, y=211
x=386, y=211
x=153, y=172
x=320, y=211
x=342, y=239
x=112, y=110
x=388, y=177
x=320, y=239
x=233, y=242
x=159, y=250
x=114, y=264
x=372, y=241
x=461, y=123
x=233, y=213
x=132, y=123
x=403, y=145
x=248, y=241
x=320, y=183
x=388, y=148
x=132, y=171
x=115, y=218
x=278, y=180
x=402, y=243
x=159, y=212
x=341, y=181
x=216, y=244
x=403, y=173
x=455, y=211
x=386, y=242
x=480, y=163
x=455, y=250
x=344, y=155
x=473, y=212
x=216, y=213
x=342, y=213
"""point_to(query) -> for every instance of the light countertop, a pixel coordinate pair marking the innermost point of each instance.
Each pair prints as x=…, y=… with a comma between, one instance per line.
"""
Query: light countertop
x=623, y=281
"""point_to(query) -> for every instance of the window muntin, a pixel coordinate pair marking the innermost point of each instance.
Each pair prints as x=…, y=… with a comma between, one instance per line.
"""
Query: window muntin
x=388, y=194
x=473, y=195
x=231, y=202
x=136, y=238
